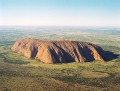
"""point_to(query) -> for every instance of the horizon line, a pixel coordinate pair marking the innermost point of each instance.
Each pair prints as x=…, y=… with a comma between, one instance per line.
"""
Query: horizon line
x=58, y=26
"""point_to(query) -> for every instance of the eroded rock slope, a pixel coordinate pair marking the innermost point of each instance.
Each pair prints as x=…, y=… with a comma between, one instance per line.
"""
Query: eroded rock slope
x=48, y=51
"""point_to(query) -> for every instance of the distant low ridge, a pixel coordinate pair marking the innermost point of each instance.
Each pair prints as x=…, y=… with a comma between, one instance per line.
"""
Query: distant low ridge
x=48, y=51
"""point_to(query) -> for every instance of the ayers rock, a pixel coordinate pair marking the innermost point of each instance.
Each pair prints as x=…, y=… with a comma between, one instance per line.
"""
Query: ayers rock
x=48, y=51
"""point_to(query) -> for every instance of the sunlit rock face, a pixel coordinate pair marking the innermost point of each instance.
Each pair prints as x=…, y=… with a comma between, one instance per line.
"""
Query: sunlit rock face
x=48, y=51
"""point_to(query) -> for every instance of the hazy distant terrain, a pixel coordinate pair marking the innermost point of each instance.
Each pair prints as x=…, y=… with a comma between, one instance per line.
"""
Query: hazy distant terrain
x=21, y=74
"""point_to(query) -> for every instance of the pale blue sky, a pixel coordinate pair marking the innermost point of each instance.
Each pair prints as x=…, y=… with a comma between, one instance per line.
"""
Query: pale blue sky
x=60, y=12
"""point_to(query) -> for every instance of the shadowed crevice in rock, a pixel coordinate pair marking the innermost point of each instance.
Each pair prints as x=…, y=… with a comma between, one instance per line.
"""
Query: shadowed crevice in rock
x=48, y=51
x=88, y=54
x=65, y=57
x=34, y=53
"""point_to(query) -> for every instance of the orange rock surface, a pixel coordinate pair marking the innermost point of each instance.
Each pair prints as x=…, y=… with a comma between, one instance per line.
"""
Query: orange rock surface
x=48, y=51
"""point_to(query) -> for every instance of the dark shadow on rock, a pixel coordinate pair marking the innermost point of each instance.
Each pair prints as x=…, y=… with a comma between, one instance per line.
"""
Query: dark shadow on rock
x=66, y=57
x=87, y=54
x=110, y=56
x=34, y=53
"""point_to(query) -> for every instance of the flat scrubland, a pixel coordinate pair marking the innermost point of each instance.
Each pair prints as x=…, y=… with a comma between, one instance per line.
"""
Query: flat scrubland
x=18, y=73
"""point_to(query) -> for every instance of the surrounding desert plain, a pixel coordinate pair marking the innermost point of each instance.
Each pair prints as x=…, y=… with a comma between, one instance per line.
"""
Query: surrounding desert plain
x=18, y=73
